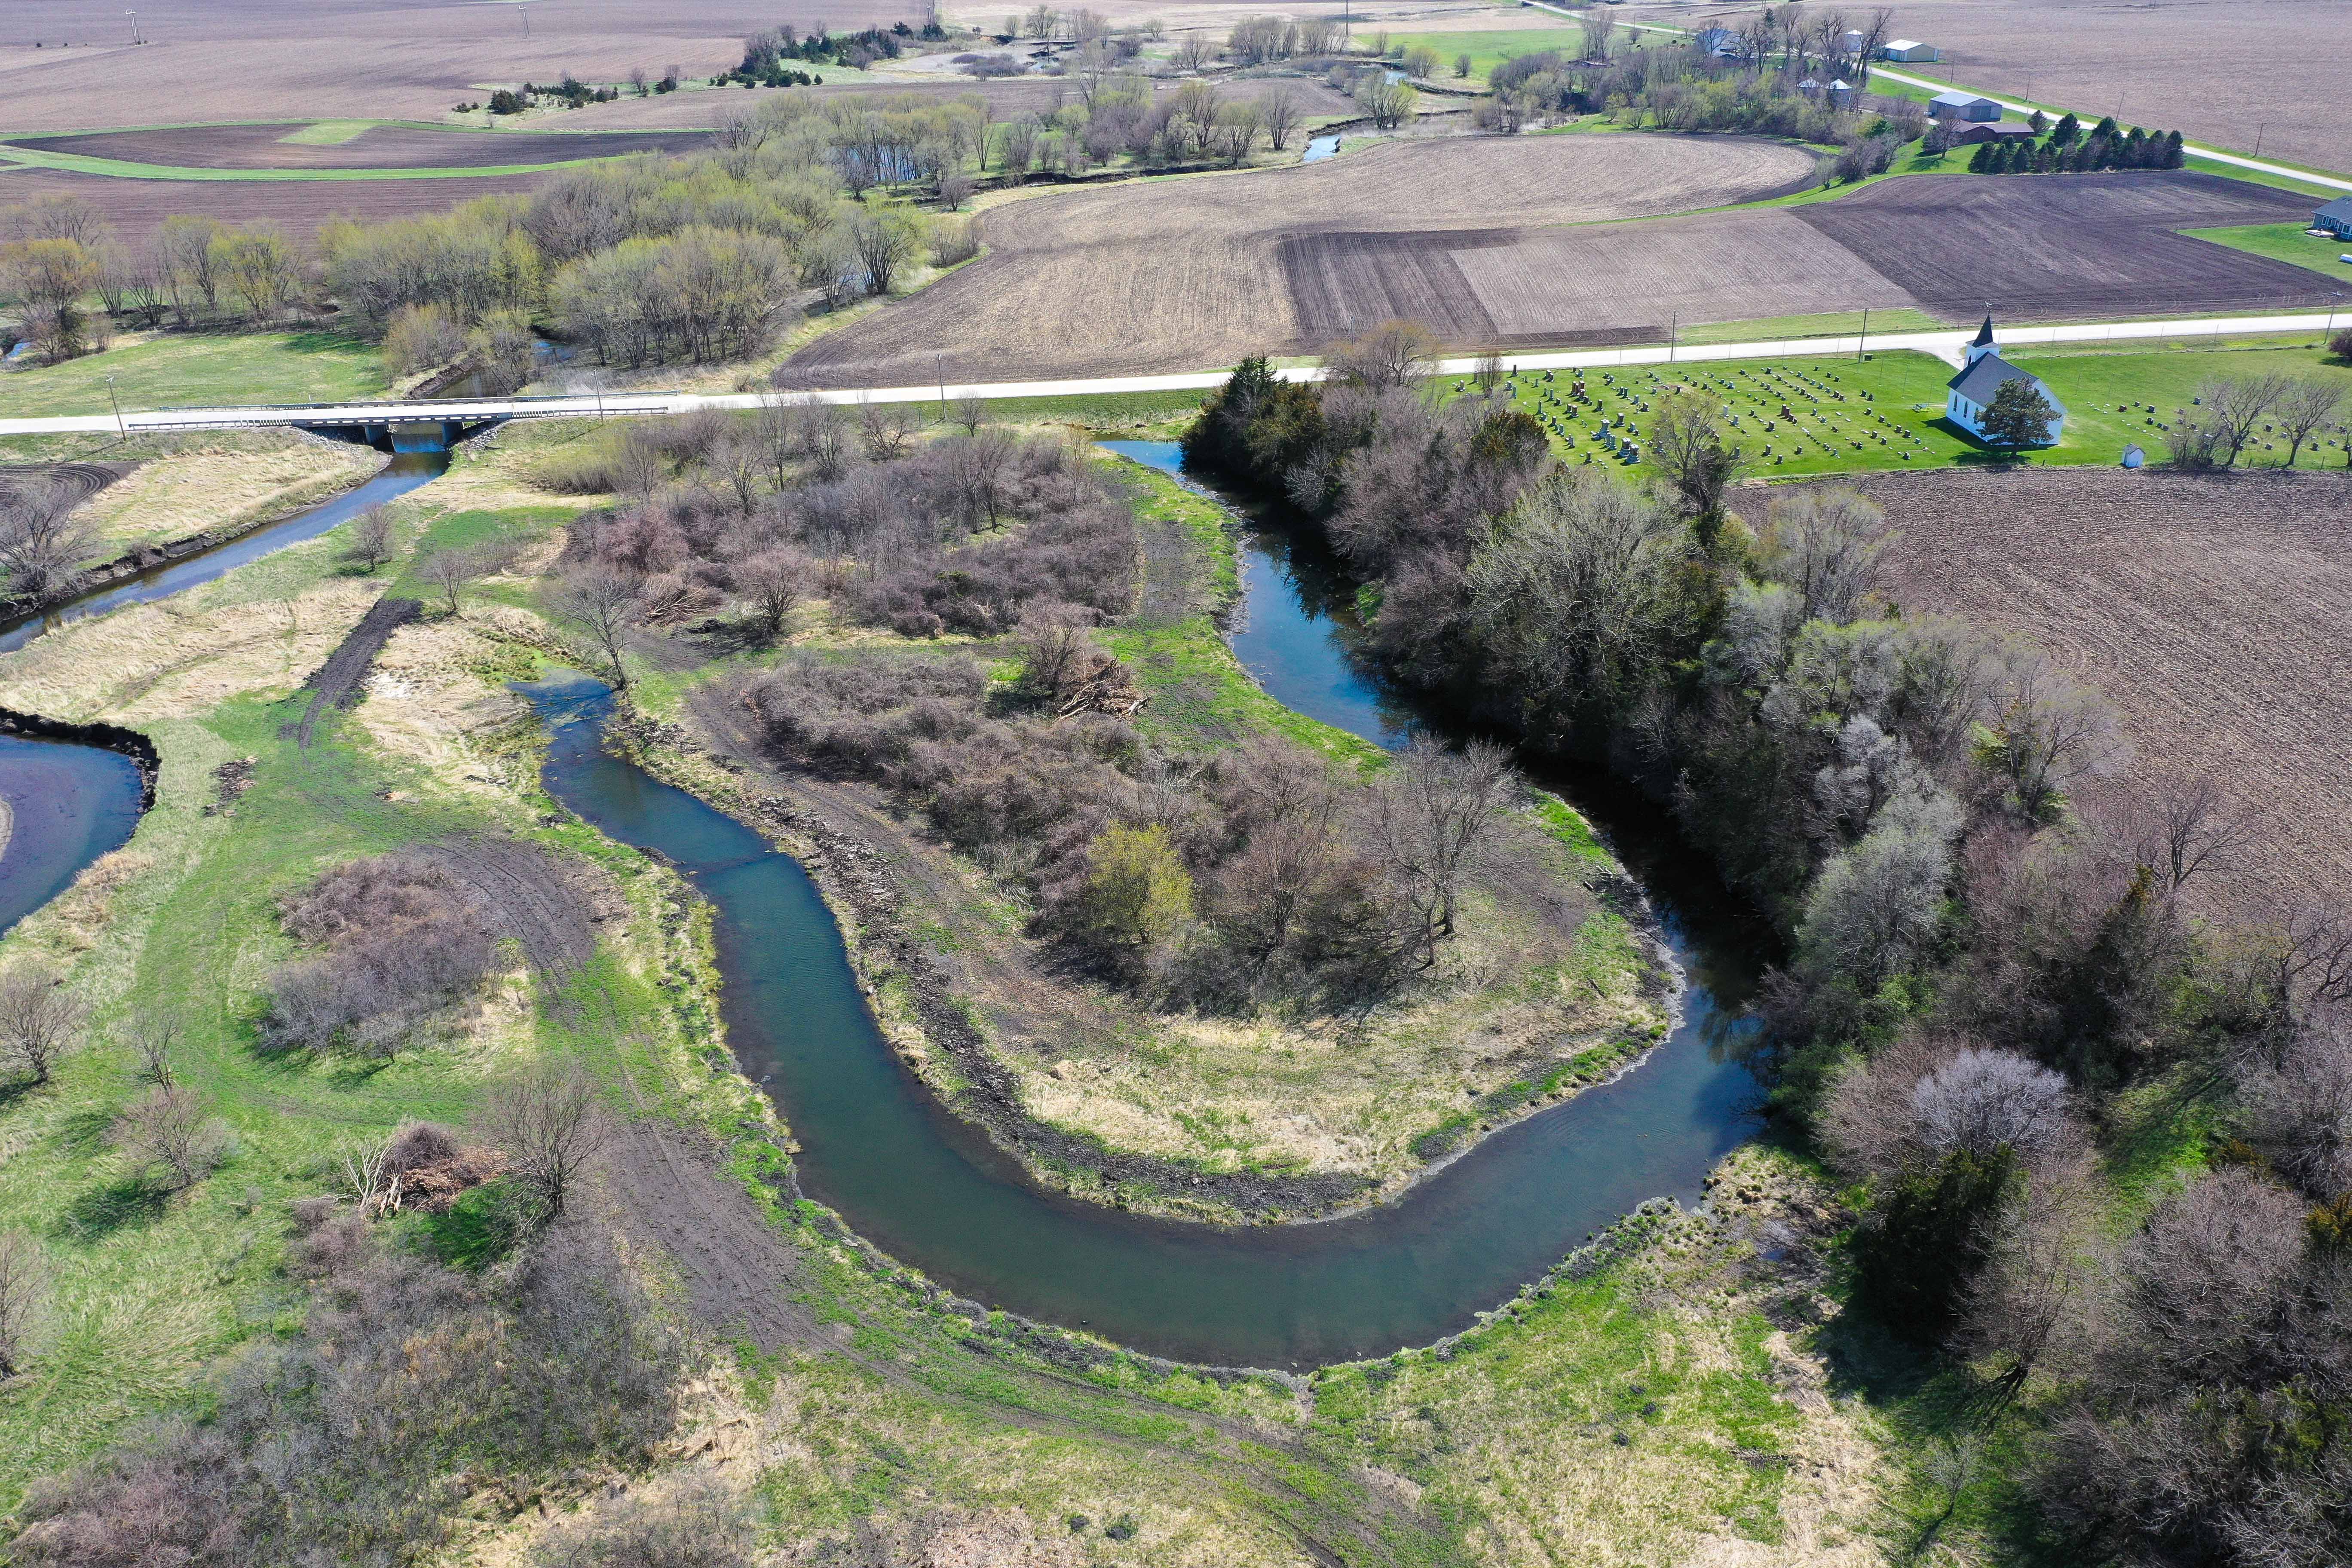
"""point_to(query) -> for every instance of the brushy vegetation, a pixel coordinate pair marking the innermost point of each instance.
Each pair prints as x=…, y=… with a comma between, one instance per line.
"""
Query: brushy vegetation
x=1989, y=963
x=344, y=1438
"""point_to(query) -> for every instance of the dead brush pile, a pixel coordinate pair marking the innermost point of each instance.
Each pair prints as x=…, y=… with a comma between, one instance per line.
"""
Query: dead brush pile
x=403, y=939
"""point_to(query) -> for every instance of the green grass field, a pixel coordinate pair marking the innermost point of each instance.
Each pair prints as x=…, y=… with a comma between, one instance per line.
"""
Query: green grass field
x=2288, y=242
x=199, y=369
x=1849, y=415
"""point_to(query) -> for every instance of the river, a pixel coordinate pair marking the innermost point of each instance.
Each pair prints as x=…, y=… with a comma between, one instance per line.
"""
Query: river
x=930, y=1190
x=403, y=473
x=929, y=1187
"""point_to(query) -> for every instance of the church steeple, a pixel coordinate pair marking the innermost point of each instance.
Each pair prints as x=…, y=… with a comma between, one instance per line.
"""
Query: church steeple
x=1983, y=344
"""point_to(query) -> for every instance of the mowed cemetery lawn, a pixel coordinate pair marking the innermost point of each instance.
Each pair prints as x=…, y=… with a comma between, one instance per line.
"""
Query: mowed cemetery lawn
x=1886, y=412
x=199, y=370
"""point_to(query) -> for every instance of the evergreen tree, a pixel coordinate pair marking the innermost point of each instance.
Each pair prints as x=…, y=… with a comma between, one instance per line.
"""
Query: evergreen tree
x=2174, y=156
x=1981, y=160
x=2019, y=416
x=2069, y=130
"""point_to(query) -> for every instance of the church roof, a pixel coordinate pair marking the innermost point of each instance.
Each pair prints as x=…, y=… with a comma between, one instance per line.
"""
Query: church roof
x=1984, y=333
x=1989, y=375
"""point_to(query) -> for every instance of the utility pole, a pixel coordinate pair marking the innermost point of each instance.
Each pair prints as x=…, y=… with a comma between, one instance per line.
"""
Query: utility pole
x=939, y=367
x=2259, y=125
x=526, y=21
x=1863, y=340
x=122, y=430
x=1674, y=333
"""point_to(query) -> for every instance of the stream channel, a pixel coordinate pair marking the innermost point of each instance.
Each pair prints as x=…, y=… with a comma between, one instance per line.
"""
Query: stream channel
x=63, y=804
x=930, y=1189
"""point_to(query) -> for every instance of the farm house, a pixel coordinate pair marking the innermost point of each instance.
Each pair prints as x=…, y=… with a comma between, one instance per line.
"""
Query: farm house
x=2335, y=218
x=1908, y=49
x=1962, y=106
x=1999, y=131
x=1971, y=391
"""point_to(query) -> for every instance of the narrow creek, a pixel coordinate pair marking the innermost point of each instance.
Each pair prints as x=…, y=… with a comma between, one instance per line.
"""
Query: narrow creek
x=407, y=471
x=930, y=1190
x=64, y=804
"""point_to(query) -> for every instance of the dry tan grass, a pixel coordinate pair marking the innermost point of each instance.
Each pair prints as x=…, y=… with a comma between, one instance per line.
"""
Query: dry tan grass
x=1176, y=274
x=1324, y=1095
x=427, y=703
x=222, y=484
x=182, y=657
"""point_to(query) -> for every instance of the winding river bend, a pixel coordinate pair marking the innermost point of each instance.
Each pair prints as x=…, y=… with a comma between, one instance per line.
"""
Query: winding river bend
x=930, y=1190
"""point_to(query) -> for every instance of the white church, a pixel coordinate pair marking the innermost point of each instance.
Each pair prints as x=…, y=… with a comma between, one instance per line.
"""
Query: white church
x=1970, y=392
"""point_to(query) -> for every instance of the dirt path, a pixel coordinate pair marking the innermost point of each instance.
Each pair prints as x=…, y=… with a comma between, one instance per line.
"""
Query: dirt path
x=336, y=683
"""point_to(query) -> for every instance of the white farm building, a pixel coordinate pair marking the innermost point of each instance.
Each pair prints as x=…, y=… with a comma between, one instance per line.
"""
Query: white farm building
x=1970, y=392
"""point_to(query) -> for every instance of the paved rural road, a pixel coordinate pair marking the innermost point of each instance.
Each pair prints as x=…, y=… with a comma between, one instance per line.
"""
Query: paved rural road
x=2218, y=156
x=1945, y=345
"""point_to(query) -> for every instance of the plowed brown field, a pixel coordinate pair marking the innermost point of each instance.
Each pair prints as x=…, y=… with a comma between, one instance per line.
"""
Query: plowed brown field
x=1496, y=243
x=138, y=207
x=2229, y=72
x=2212, y=611
x=1180, y=274
x=209, y=60
x=378, y=147
x=2069, y=245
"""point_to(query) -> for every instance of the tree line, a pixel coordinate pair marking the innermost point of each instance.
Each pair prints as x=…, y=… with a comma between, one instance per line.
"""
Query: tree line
x=1991, y=950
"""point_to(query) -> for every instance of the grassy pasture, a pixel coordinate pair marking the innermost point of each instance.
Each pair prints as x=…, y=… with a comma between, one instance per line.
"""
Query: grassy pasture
x=2287, y=242
x=199, y=370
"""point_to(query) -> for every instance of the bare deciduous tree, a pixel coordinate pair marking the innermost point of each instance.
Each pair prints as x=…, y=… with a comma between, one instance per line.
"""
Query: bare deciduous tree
x=171, y=1129
x=2306, y=406
x=548, y=1123
x=2045, y=734
x=152, y=1033
x=452, y=571
x=971, y=413
x=1281, y=113
x=884, y=429
x=774, y=581
x=371, y=542
x=1393, y=354
x=1433, y=817
x=2235, y=407
x=39, y=1020
x=599, y=606
x=23, y=1286
x=2186, y=828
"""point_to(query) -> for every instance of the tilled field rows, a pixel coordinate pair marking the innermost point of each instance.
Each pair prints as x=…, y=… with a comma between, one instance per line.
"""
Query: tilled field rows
x=378, y=147
x=2211, y=611
x=1511, y=244
x=1176, y=275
